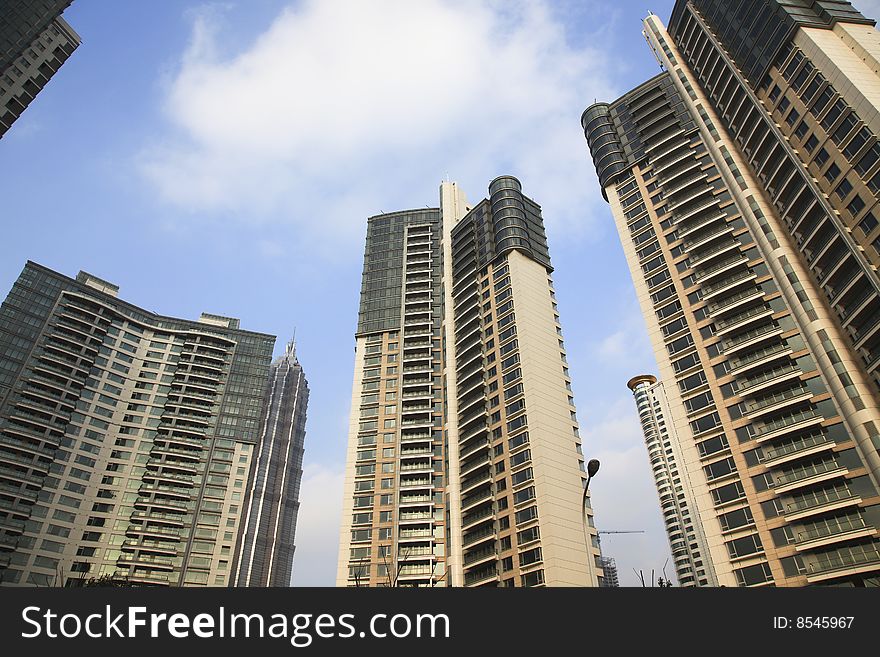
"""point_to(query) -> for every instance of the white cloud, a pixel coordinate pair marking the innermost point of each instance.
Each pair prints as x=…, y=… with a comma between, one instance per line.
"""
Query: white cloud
x=343, y=109
x=317, y=526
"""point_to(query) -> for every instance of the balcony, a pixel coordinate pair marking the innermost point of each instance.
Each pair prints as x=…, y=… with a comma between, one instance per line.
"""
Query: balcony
x=772, y=455
x=191, y=468
x=720, y=267
x=820, y=501
x=420, y=516
x=27, y=461
x=710, y=203
x=758, y=357
x=421, y=451
x=688, y=197
x=785, y=423
x=175, y=519
x=194, y=455
x=181, y=480
x=742, y=319
x=669, y=189
x=477, y=515
x=698, y=224
x=478, y=535
x=669, y=150
x=406, y=500
x=481, y=576
x=416, y=467
x=807, y=474
x=776, y=400
x=832, y=530
x=472, y=464
x=845, y=560
x=28, y=446
x=166, y=503
x=704, y=256
x=750, y=337
x=477, y=556
x=165, y=489
x=415, y=483
x=469, y=450
x=417, y=422
x=416, y=571
x=158, y=563
x=728, y=283
x=163, y=547
x=472, y=499
x=415, y=534
x=678, y=157
x=12, y=473
x=415, y=437
x=468, y=483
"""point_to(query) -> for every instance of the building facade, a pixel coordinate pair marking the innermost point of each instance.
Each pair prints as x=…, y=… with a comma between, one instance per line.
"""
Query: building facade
x=686, y=542
x=610, y=579
x=126, y=437
x=34, y=42
x=754, y=286
x=464, y=460
x=266, y=547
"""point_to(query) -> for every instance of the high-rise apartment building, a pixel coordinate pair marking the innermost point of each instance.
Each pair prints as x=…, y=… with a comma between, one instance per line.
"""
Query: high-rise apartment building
x=687, y=545
x=464, y=460
x=610, y=579
x=740, y=224
x=266, y=548
x=34, y=42
x=126, y=437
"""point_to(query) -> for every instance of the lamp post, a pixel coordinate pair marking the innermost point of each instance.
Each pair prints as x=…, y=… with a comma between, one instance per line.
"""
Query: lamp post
x=592, y=469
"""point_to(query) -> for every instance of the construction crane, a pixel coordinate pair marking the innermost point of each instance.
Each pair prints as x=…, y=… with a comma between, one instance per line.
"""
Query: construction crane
x=619, y=531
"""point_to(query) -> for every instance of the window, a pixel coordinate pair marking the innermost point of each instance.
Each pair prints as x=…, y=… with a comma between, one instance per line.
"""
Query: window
x=843, y=189
x=742, y=547
x=856, y=205
x=832, y=173
x=868, y=223
x=811, y=143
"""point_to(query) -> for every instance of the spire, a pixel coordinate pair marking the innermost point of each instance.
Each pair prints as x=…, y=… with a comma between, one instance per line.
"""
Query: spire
x=290, y=354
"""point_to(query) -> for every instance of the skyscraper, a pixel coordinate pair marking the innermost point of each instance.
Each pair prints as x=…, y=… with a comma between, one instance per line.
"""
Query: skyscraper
x=609, y=569
x=126, y=437
x=265, y=554
x=464, y=460
x=759, y=296
x=686, y=542
x=34, y=42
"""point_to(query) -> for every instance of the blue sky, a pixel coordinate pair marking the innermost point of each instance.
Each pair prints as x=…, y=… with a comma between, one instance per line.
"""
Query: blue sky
x=224, y=156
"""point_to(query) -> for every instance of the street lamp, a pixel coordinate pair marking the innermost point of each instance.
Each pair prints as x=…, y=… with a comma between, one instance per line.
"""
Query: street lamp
x=592, y=469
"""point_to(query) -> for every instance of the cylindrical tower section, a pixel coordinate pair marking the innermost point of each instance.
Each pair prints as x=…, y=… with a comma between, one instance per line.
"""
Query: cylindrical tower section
x=605, y=146
x=509, y=215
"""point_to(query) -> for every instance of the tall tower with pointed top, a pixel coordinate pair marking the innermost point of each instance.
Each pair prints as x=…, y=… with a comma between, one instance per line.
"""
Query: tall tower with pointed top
x=266, y=545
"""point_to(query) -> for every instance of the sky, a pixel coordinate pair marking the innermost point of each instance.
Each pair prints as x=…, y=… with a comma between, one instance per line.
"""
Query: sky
x=223, y=157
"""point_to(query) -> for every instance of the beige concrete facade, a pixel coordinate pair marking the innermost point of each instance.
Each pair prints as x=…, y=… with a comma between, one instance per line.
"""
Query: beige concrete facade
x=507, y=482
x=774, y=408
x=553, y=425
x=350, y=465
x=453, y=206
